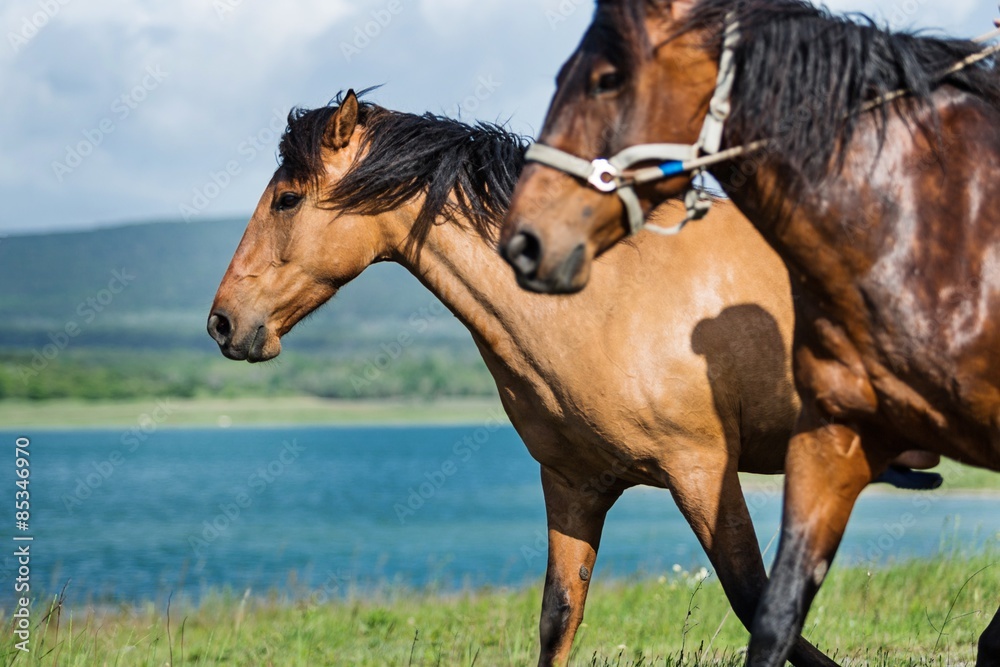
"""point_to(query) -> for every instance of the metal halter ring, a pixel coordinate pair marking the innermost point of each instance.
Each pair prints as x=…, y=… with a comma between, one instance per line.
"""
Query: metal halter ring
x=615, y=174
x=604, y=176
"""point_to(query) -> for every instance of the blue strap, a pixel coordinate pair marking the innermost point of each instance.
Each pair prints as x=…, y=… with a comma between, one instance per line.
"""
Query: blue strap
x=672, y=168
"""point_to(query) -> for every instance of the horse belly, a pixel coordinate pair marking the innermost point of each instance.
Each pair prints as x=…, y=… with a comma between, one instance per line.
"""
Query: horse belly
x=936, y=358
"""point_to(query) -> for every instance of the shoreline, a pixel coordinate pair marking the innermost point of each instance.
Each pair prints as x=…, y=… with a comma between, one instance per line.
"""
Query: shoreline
x=307, y=411
x=304, y=411
x=348, y=593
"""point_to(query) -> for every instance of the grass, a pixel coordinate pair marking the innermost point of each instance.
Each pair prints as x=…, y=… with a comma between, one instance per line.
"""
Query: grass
x=922, y=612
x=73, y=413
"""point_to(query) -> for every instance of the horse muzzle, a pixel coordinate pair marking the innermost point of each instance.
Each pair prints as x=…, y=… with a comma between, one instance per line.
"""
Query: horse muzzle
x=545, y=274
x=256, y=344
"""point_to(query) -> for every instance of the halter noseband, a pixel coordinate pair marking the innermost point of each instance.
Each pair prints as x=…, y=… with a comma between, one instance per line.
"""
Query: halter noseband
x=613, y=175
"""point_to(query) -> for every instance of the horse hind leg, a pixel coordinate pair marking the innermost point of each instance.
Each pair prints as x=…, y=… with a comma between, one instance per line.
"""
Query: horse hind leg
x=717, y=511
x=989, y=644
x=827, y=468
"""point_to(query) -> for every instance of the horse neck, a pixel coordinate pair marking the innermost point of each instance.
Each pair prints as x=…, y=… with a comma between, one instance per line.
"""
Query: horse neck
x=758, y=197
x=870, y=189
x=466, y=272
x=798, y=230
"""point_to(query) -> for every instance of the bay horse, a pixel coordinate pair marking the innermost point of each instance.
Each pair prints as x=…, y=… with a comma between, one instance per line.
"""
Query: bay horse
x=869, y=160
x=684, y=407
x=685, y=410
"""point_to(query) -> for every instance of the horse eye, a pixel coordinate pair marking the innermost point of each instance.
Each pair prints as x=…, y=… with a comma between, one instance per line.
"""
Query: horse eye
x=288, y=201
x=608, y=82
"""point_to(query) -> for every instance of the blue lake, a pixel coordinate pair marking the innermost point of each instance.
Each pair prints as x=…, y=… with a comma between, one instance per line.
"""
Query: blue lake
x=292, y=509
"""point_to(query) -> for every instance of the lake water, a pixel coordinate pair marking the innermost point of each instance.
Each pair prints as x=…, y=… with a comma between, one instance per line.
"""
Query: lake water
x=185, y=511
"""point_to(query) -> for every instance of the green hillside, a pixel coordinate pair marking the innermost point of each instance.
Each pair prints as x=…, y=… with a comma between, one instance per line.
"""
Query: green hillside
x=175, y=269
x=149, y=339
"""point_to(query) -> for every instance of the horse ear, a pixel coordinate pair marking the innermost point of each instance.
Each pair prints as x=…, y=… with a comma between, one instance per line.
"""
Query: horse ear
x=679, y=9
x=664, y=17
x=342, y=123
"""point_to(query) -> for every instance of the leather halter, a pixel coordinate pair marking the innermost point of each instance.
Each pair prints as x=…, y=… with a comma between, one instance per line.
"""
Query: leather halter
x=613, y=174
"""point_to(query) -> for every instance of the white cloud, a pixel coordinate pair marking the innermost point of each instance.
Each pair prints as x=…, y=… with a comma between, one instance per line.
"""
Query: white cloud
x=227, y=62
x=229, y=72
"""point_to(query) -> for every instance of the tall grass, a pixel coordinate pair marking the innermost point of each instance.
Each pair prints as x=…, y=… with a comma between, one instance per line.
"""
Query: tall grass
x=919, y=612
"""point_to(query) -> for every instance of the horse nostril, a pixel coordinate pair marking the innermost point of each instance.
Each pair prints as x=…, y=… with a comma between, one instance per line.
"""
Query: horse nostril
x=524, y=252
x=219, y=328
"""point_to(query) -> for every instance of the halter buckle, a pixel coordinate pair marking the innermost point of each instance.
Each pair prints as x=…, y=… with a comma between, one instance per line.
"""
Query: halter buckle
x=604, y=175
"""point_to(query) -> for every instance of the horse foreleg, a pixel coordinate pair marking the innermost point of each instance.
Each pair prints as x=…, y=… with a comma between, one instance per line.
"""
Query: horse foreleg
x=719, y=516
x=989, y=644
x=576, y=518
x=826, y=469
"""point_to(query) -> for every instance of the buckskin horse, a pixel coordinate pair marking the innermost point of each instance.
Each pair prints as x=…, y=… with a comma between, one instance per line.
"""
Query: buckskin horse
x=869, y=160
x=684, y=407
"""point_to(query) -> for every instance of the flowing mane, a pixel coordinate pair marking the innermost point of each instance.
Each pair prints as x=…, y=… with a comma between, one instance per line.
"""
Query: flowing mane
x=803, y=74
x=463, y=170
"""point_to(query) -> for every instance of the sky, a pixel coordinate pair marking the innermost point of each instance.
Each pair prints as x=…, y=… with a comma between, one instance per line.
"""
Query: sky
x=118, y=111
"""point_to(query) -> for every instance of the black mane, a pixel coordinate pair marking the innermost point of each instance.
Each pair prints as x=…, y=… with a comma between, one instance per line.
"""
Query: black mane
x=803, y=75
x=404, y=155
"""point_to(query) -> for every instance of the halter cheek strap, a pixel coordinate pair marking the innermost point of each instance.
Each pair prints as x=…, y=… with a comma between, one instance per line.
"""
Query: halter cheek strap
x=612, y=175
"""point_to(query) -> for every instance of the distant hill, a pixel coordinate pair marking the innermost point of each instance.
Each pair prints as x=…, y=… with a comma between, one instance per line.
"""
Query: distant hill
x=47, y=279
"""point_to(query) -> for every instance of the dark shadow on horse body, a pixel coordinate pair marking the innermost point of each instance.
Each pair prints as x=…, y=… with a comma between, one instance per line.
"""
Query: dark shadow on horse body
x=741, y=347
